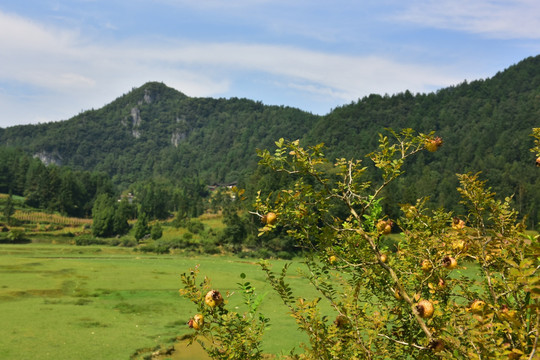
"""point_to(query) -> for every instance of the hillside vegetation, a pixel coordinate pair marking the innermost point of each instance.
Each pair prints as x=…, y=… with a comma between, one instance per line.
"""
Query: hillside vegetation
x=155, y=132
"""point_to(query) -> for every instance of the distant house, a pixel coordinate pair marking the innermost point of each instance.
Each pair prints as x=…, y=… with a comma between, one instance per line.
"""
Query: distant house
x=128, y=196
x=216, y=186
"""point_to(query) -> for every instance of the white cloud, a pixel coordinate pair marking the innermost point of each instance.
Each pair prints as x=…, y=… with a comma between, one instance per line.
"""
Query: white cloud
x=502, y=19
x=344, y=76
x=77, y=73
x=20, y=34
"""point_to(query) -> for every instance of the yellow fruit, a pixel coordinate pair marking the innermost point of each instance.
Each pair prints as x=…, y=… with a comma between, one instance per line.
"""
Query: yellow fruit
x=538, y=161
x=196, y=322
x=426, y=265
x=477, y=307
x=383, y=258
x=269, y=218
x=434, y=144
x=458, y=224
x=213, y=298
x=384, y=226
x=449, y=262
x=425, y=309
x=332, y=259
x=411, y=212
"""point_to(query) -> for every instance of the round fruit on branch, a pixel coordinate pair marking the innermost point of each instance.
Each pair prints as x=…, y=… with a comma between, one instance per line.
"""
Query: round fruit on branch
x=434, y=144
x=426, y=265
x=269, y=219
x=457, y=223
x=425, y=309
x=213, y=298
x=477, y=307
x=196, y=322
x=449, y=262
x=384, y=226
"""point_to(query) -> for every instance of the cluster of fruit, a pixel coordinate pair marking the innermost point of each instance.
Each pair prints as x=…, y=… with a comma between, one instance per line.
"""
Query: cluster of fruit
x=213, y=298
x=385, y=226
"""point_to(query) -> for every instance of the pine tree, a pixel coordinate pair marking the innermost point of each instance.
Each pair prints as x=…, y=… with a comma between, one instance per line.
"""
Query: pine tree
x=103, y=216
x=141, y=227
x=9, y=209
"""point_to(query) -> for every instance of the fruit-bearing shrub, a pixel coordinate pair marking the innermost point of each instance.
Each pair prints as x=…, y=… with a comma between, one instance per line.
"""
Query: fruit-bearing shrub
x=450, y=286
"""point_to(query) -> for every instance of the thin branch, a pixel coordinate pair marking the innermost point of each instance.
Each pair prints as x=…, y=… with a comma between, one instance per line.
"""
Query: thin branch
x=403, y=342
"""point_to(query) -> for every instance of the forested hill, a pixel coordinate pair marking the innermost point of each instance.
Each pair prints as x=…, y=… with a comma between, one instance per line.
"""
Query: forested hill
x=157, y=131
x=486, y=126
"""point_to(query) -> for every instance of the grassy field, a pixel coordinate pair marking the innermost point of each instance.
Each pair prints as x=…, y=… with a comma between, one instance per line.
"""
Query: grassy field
x=96, y=302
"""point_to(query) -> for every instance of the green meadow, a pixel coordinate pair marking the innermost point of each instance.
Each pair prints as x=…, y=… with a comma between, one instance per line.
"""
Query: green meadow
x=101, y=302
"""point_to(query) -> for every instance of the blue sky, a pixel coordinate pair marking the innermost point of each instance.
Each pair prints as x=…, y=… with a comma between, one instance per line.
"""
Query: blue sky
x=59, y=57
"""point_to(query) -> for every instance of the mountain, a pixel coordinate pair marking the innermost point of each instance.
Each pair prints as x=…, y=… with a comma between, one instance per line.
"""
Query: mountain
x=156, y=131
x=486, y=126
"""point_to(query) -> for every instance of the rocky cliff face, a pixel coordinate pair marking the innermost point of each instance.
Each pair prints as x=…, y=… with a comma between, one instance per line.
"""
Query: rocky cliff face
x=137, y=120
x=48, y=158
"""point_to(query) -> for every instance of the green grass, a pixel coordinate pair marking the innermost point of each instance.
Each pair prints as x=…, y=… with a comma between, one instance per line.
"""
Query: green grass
x=96, y=302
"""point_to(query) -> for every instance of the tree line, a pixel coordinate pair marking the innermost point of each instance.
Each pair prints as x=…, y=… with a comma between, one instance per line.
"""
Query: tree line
x=187, y=143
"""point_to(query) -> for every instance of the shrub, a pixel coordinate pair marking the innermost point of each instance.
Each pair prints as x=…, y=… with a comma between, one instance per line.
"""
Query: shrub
x=156, y=232
x=285, y=255
x=85, y=240
x=228, y=334
x=209, y=246
x=452, y=286
x=195, y=226
x=128, y=242
x=15, y=236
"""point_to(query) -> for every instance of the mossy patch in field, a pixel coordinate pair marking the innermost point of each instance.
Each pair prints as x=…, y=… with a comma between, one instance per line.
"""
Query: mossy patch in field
x=22, y=294
x=91, y=323
x=82, y=302
x=125, y=307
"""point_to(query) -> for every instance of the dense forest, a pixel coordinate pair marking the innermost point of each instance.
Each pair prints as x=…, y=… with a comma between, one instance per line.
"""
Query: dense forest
x=156, y=140
x=157, y=131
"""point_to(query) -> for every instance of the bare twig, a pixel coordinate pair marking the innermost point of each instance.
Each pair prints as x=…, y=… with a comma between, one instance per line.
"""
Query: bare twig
x=403, y=342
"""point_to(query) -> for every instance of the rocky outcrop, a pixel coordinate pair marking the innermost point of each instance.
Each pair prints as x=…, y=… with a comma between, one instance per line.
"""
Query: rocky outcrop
x=177, y=137
x=48, y=158
x=136, y=117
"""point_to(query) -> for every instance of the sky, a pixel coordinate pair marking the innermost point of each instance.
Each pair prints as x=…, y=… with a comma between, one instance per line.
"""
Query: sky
x=59, y=57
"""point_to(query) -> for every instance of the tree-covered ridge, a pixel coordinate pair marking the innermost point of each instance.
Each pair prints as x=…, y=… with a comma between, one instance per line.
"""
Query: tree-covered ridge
x=52, y=188
x=157, y=132
x=485, y=124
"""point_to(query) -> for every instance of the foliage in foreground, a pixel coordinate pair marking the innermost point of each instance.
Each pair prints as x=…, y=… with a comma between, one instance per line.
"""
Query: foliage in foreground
x=228, y=334
x=456, y=287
